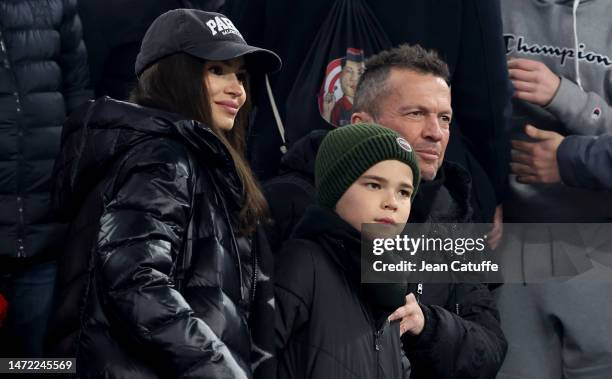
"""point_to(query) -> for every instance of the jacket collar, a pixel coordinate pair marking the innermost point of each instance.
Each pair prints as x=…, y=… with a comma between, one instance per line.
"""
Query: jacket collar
x=99, y=132
x=340, y=240
x=432, y=202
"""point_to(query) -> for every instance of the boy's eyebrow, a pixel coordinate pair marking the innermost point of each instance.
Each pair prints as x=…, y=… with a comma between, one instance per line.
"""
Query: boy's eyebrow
x=383, y=180
x=374, y=177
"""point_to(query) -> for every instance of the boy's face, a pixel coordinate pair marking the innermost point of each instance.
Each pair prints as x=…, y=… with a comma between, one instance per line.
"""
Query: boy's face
x=380, y=195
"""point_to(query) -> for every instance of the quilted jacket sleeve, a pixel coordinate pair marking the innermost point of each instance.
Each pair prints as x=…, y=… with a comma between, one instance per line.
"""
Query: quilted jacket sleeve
x=73, y=59
x=470, y=344
x=142, y=226
x=585, y=161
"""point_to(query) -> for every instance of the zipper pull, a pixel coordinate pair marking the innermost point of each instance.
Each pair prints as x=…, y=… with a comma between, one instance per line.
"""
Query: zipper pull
x=379, y=333
x=419, y=292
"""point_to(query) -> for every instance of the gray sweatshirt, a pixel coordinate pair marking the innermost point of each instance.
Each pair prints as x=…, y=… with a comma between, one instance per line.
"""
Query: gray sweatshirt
x=552, y=31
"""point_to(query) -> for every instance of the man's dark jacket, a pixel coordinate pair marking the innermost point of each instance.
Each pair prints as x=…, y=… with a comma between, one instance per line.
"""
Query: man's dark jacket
x=43, y=77
x=292, y=191
x=155, y=281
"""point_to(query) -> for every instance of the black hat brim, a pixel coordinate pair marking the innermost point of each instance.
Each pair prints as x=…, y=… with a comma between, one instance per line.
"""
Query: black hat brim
x=258, y=60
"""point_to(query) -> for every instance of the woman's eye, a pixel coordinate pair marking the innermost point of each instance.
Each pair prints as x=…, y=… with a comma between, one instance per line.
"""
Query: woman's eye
x=373, y=185
x=217, y=70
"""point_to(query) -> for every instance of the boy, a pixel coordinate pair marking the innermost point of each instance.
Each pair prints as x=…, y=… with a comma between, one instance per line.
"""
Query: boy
x=327, y=323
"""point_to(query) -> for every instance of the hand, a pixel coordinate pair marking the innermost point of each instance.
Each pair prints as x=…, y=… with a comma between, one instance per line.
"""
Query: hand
x=496, y=233
x=328, y=105
x=536, y=162
x=533, y=81
x=411, y=315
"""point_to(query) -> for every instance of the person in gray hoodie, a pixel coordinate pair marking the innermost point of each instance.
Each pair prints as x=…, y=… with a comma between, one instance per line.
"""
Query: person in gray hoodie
x=556, y=92
x=560, y=64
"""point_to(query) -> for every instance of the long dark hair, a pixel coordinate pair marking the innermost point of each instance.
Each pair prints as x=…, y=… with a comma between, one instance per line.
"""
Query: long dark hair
x=175, y=83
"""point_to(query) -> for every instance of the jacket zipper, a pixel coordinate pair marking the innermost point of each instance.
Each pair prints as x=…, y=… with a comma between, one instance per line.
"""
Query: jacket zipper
x=419, y=292
x=20, y=203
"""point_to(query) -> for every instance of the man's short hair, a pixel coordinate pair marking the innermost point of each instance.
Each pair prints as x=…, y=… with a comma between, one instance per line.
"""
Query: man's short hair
x=373, y=82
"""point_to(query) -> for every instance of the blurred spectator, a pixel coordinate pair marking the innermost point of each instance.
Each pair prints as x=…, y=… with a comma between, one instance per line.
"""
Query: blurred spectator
x=43, y=77
x=561, y=69
x=556, y=92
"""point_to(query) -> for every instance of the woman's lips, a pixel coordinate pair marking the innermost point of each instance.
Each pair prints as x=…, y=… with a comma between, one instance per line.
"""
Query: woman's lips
x=230, y=107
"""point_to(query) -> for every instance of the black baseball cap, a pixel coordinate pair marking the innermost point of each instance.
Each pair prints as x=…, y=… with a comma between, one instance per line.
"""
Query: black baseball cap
x=205, y=35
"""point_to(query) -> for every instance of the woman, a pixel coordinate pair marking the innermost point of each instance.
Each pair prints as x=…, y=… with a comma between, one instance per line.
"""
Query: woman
x=159, y=276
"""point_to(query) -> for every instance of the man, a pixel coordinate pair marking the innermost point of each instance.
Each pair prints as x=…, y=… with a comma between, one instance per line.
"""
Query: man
x=408, y=93
x=43, y=77
x=405, y=89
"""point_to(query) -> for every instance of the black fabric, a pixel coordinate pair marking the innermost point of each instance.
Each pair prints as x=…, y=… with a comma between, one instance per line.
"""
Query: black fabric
x=466, y=34
x=290, y=193
x=349, y=26
x=446, y=199
x=113, y=31
x=324, y=325
x=43, y=77
x=154, y=281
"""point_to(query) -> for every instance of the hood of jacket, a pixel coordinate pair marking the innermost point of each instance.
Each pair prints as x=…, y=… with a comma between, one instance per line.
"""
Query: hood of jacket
x=302, y=155
x=100, y=132
x=324, y=225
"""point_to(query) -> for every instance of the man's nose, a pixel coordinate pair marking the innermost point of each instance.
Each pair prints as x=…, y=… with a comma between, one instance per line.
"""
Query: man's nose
x=432, y=129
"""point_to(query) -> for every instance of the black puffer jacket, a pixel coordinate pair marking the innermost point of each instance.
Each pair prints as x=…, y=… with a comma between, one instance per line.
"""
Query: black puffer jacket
x=43, y=76
x=154, y=282
x=325, y=329
x=325, y=326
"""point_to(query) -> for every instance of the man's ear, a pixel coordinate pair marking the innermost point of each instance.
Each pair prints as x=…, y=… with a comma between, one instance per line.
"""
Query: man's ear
x=361, y=117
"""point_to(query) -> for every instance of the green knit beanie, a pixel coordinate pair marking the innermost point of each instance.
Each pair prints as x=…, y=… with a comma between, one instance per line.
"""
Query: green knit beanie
x=349, y=151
